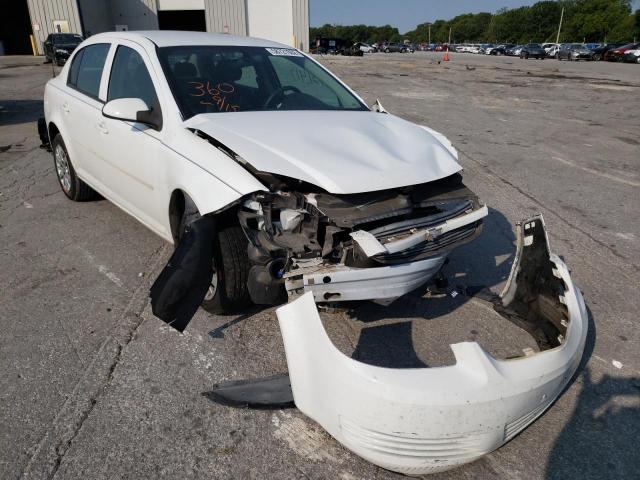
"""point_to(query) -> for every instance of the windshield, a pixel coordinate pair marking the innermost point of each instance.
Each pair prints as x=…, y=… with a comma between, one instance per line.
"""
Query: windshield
x=66, y=38
x=211, y=79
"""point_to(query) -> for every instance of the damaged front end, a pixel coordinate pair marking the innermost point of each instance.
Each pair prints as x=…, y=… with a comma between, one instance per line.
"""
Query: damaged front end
x=340, y=247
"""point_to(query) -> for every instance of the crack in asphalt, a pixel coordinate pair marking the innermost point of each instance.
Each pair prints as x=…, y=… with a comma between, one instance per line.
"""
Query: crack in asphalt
x=57, y=438
x=491, y=172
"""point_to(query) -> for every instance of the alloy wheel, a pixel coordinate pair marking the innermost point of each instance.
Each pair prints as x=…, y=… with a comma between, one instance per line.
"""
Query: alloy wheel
x=213, y=288
x=63, y=168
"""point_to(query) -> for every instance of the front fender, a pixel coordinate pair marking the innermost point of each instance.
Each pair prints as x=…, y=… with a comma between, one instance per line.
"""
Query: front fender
x=212, y=179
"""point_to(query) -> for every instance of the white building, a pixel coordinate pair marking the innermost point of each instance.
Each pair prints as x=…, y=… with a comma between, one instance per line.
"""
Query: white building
x=285, y=21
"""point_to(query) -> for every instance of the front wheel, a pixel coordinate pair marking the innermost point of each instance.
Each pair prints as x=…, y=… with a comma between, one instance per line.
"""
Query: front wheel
x=228, y=292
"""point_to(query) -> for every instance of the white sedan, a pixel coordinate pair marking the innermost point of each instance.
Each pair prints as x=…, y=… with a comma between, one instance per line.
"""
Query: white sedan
x=333, y=198
x=276, y=182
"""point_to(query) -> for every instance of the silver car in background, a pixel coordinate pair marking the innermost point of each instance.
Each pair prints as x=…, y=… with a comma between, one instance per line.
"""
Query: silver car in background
x=574, y=51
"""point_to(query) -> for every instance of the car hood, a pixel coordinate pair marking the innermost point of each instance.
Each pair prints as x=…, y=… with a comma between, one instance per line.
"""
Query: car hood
x=341, y=152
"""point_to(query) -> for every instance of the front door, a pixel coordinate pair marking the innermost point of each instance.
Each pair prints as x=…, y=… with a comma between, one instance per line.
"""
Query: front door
x=130, y=150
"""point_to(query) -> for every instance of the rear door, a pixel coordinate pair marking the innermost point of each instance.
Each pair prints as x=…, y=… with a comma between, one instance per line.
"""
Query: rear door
x=82, y=109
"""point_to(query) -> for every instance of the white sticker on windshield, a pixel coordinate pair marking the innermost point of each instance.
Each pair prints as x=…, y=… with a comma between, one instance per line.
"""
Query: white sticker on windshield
x=284, y=52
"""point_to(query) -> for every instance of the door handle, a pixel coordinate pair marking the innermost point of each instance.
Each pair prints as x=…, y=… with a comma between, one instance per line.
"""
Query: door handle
x=65, y=107
x=102, y=127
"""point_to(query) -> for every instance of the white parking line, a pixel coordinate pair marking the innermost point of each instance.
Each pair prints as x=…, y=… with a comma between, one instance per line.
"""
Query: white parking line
x=600, y=174
x=102, y=268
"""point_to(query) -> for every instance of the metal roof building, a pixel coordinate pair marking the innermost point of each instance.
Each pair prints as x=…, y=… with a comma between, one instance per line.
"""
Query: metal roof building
x=284, y=21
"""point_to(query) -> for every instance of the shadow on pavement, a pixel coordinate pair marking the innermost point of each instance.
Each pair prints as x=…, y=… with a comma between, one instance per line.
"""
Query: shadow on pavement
x=600, y=439
x=13, y=112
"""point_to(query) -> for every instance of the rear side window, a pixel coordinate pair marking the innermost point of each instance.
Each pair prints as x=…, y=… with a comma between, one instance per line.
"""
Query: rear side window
x=73, y=70
x=130, y=78
x=86, y=69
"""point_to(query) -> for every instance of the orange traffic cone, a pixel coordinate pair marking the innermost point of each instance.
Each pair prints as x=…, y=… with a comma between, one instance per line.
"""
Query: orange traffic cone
x=446, y=55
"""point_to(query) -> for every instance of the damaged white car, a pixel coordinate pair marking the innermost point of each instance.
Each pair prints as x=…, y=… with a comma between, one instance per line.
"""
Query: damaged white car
x=333, y=198
x=276, y=182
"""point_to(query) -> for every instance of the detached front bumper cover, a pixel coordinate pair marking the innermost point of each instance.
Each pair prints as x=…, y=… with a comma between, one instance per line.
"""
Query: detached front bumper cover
x=418, y=421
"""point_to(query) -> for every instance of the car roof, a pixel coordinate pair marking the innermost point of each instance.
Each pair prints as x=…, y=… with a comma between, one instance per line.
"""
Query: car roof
x=172, y=38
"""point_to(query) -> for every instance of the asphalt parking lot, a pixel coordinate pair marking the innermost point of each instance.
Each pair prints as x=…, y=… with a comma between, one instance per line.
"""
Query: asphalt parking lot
x=93, y=386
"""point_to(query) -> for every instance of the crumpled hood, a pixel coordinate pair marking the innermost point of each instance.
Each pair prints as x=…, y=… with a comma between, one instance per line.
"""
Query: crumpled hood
x=341, y=152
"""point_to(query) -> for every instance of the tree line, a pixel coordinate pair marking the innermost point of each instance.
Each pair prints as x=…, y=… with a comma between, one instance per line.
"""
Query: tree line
x=583, y=20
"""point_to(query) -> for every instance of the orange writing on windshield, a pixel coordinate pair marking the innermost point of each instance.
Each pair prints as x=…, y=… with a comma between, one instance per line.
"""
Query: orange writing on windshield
x=215, y=95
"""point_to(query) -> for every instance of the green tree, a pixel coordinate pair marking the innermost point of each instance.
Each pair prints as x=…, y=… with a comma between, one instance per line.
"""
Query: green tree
x=591, y=20
x=600, y=20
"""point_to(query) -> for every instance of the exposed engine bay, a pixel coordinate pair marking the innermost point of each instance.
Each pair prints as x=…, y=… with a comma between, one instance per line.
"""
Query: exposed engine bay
x=300, y=236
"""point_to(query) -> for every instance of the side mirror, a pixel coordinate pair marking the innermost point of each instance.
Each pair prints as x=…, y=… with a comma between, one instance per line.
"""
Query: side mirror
x=132, y=110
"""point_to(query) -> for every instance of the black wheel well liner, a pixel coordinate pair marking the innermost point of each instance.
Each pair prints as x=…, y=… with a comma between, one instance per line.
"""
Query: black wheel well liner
x=53, y=131
x=177, y=203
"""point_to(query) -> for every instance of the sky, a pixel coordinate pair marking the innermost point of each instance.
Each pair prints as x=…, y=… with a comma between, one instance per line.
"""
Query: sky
x=404, y=14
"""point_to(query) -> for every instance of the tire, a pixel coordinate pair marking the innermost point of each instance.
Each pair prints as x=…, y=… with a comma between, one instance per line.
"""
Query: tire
x=638, y=60
x=231, y=267
x=71, y=185
x=386, y=50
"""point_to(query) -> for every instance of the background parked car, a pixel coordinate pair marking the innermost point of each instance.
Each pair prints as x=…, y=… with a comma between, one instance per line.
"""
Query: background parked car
x=514, y=51
x=59, y=46
x=617, y=54
x=533, y=50
x=352, y=51
x=574, y=51
x=409, y=47
x=599, y=52
x=551, y=49
x=393, y=47
x=364, y=47
x=631, y=56
x=499, y=50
